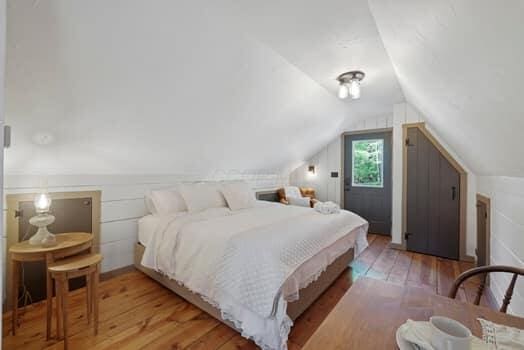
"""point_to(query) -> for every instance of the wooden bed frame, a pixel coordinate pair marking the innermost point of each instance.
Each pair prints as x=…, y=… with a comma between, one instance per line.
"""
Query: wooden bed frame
x=294, y=309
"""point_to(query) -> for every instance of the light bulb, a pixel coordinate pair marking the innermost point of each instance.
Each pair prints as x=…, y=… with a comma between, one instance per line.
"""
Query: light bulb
x=343, y=91
x=42, y=203
x=354, y=89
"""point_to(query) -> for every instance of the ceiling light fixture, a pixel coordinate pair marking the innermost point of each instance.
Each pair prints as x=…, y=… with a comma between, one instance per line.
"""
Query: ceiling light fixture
x=350, y=84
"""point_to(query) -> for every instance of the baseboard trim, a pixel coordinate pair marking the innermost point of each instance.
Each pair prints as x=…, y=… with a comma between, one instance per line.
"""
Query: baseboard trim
x=397, y=246
x=468, y=258
x=104, y=276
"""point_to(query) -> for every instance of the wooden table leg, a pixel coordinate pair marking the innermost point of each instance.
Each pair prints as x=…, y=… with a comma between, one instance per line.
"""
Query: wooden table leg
x=94, y=294
x=89, y=290
x=49, y=297
x=58, y=300
x=15, y=278
x=63, y=298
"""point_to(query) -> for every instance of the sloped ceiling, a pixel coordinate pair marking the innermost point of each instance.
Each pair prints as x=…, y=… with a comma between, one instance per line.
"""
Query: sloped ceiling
x=324, y=39
x=135, y=86
x=194, y=86
x=165, y=86
x=461, y=64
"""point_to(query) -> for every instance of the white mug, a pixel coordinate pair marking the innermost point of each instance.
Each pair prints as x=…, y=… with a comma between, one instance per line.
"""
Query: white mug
x=448, y=334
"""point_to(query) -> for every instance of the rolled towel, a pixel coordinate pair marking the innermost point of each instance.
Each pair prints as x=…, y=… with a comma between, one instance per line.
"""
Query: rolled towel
x=327, y=208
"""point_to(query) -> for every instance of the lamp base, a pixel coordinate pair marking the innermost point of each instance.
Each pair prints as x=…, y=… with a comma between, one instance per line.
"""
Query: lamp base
x=42, y=236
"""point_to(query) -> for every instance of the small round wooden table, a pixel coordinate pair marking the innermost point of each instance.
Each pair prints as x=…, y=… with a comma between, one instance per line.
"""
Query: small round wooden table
x=67, y=244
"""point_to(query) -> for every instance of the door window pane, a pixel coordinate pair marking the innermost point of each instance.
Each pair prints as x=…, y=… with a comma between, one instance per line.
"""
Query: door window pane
x=367, y=163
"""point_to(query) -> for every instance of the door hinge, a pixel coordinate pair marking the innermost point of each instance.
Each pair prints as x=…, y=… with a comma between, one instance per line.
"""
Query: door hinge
x=408, y=143
x=19, y=213
x=406, y=235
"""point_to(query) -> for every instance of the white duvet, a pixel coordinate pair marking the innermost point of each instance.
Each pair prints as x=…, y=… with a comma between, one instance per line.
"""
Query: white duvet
x=245, y=262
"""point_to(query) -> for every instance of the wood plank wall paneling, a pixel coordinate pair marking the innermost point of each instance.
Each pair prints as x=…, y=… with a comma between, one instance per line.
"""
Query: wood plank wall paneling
x=123, y=201
x=507, y=233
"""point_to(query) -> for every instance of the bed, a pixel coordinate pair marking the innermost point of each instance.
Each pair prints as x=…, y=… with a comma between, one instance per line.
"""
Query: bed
x=255, y=269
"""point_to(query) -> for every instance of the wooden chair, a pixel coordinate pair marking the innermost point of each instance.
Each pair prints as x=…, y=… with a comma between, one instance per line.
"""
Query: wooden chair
x=484, y=271
x=62, y=271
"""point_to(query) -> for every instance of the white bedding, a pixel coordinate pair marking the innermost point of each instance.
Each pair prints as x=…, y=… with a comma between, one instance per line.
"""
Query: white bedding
x=249, y=263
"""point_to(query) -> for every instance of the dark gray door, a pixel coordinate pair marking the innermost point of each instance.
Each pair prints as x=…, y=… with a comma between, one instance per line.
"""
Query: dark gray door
x=367, y=178
x=482, y=234
x=433, y=188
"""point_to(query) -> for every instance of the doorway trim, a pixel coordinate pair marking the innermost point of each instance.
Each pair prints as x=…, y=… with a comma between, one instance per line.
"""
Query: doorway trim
x=487, y=202
x=463, y=176
x=343, y=155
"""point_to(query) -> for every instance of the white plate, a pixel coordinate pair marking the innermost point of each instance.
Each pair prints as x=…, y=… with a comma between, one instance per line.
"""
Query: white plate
x=402, y=343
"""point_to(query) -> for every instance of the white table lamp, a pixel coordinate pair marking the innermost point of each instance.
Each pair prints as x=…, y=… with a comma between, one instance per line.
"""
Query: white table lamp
x=42, y=220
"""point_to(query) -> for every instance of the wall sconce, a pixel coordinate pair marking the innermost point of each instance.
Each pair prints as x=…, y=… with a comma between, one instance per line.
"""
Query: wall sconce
x=311, y=170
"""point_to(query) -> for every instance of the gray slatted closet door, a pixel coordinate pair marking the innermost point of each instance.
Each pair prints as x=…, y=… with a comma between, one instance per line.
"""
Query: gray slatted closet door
x=433, y=189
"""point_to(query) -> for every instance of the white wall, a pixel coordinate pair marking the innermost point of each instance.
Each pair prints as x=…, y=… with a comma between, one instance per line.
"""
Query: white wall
x=329, y=159
x=507, y=233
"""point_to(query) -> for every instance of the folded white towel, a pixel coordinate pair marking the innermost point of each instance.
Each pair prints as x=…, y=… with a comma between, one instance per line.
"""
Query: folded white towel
x=327, y=207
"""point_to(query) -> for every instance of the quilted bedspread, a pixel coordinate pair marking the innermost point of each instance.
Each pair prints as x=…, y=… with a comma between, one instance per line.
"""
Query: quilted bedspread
x=240, y=261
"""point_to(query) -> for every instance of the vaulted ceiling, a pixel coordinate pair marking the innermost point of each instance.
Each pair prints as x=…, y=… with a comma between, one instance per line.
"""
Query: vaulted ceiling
x=324, y=39
x=193, y=86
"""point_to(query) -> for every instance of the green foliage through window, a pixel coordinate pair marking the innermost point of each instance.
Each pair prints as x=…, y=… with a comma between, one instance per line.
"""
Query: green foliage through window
x=367, y=163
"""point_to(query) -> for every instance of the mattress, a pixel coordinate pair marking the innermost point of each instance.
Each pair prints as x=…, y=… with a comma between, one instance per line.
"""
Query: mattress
x=148, y=224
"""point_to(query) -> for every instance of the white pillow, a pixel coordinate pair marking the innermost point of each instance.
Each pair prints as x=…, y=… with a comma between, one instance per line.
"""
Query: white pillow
x=167, y=201
x=238, y=195
x=299, y=201
x=150, y=206
x=202, y=196
x=292, y=191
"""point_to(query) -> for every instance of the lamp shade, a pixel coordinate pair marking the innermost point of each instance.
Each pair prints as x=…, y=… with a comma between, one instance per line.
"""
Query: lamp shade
x=42, y=202
x=343, y=91
x=354, y=89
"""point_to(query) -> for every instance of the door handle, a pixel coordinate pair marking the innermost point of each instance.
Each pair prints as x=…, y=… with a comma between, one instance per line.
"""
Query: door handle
x=453, y=193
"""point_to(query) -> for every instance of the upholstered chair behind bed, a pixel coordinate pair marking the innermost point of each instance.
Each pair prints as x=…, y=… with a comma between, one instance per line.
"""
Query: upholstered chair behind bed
x=302, y=191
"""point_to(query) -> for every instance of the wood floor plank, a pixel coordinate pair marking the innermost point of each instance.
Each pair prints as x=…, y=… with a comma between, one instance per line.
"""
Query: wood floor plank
x=311, y=319
x=217, y=337
x=188, y=332
x=400, y=270
x=238, y=343
x=422, y=272
x=136, y=312
x=367, y=258
x=381, y=268
x=111, y=327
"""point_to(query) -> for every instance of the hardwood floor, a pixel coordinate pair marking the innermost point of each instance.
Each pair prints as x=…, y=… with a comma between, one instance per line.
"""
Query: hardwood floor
x=138, y=313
